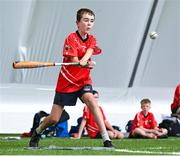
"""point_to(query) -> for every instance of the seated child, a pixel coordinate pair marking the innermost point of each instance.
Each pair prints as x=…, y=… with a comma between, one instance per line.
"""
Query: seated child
x=145, y=125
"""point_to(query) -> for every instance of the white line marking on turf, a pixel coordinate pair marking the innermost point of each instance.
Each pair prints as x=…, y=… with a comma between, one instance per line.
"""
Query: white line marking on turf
x=10, y=138
x=147, y=152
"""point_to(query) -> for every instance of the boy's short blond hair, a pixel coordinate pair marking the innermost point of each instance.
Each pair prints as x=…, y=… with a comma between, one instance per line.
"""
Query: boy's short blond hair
x=144, y=101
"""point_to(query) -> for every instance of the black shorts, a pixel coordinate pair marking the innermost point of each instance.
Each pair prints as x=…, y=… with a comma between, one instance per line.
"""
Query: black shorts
x=70, y=99
x=98, y=136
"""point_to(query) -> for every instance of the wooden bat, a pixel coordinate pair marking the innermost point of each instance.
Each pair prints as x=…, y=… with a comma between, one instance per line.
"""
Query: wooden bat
x=36, y=64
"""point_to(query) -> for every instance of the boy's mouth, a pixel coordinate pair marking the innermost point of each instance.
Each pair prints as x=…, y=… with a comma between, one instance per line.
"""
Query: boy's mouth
x=88, y=29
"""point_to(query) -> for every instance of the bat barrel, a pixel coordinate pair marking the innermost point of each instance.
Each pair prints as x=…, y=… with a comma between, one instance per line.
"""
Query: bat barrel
x=31, y=64
x=36, y=64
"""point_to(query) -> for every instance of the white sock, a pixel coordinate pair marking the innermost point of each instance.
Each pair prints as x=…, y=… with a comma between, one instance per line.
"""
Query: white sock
x=39, y=129
x=105, y=136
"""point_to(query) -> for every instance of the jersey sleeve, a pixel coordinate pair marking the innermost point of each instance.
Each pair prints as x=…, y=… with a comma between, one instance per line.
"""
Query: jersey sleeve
x=93, y=45
x=70, y=46
x=97, y=50
x=137, y=122
x=154, y=123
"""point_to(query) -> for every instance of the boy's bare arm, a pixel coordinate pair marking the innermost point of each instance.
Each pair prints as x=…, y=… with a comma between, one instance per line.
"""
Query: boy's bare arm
x=108, y=125
x=86, y=57
x=148, y=130
x=88, y=64
x=81, y=127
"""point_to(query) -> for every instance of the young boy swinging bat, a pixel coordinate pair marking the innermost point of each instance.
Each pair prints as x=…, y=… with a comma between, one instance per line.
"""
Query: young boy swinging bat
x=75, y=81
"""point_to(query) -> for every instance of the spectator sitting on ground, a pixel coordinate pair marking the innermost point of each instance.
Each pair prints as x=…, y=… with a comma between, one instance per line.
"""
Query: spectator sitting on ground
x=39, y=117
x=145, y=125
x=175, y=106
x=92, y=128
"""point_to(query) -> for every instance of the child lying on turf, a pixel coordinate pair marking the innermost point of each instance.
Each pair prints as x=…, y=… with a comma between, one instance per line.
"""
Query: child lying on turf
x=93, y=131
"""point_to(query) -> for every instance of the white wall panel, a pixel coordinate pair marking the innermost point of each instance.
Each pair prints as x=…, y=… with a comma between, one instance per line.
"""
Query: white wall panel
x=162, y=66
x=12, y=16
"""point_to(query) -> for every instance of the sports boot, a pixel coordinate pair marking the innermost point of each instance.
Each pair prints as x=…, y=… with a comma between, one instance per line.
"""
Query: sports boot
x=108, y=144
x=34, y=139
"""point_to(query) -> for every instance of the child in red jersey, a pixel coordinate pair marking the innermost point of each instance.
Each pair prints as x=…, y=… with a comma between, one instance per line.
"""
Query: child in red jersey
x=175, y=106
x=145, y=125
x=91, y=126
x=74, y=81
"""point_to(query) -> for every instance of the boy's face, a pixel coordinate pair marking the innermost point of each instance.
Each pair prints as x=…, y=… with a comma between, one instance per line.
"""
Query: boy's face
x=86, y=23
x=145, y=107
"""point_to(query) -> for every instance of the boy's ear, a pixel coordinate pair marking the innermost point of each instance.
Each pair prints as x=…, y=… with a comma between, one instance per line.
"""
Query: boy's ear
x=149, y=106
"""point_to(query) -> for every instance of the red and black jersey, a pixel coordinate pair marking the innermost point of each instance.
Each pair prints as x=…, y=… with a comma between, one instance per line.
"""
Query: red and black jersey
x=176, y=101
x=147, y=121
x=73, y=78
x=91, y=126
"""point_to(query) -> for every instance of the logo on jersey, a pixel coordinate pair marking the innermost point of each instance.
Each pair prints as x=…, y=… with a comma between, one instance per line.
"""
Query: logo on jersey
x=67, y=47
x=83, y=49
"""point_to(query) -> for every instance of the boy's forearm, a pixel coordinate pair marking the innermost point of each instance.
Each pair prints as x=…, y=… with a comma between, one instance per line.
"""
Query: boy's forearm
x=85, y=58
x=147, y=130
x=88, y=55
x=81, y=127
x=84, y=62
x=108, y=126
x=151, y=130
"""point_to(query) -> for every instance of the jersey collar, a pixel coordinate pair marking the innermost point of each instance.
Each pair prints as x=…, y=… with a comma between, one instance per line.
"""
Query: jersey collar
x=84, y=40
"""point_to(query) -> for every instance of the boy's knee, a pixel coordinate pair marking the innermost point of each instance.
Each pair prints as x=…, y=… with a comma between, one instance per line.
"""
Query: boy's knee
x=88, y=98
x=137, y=130
x=165, y=131
x=89, y=101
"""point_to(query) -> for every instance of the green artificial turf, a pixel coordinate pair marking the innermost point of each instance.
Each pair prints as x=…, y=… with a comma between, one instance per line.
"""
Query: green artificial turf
x=126, y=146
